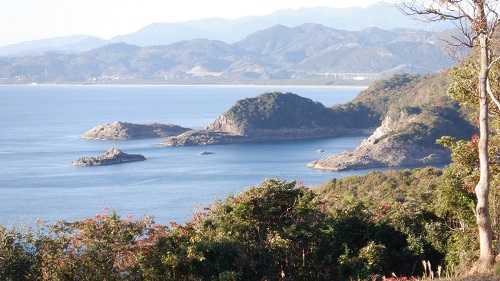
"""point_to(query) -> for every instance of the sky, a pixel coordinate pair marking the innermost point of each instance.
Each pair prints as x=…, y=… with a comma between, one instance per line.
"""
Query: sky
x=26, y=20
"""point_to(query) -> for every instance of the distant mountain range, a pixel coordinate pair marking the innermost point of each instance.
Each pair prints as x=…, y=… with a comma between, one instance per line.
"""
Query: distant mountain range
x=309, y=52
x=384, y=16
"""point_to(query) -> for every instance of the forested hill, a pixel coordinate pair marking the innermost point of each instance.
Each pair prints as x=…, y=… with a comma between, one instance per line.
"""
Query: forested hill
x=398, y=93
x=276, y=110
x=405, y=90
x=411, y=113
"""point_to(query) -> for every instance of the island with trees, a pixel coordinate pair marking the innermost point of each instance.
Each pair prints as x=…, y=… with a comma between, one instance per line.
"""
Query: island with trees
x=268, y=117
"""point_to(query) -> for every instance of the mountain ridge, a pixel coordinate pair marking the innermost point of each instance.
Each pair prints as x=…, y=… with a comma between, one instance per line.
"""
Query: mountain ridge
x=310, y=53
x=232, y=30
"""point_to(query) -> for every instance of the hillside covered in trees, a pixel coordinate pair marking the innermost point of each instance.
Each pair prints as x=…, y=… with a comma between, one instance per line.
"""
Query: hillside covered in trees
x=270, y=116
x=356, y=228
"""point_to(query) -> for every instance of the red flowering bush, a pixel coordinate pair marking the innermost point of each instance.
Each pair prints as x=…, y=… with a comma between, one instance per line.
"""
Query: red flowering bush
x=103, y=247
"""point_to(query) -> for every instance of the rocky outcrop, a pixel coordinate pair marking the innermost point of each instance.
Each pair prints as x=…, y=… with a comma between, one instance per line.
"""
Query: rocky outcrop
x=210, y=137
x=382, y=154
x=123, y=131
x=267, y=117
x=202, y=137
x=406, y=140
x=111, y=157
x=204, y=153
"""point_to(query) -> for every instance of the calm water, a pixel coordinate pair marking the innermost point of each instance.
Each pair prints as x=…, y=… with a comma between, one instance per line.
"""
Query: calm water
x=40, y=134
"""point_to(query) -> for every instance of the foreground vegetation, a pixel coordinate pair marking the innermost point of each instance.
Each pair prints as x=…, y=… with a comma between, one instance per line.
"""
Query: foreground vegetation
x=404, y=224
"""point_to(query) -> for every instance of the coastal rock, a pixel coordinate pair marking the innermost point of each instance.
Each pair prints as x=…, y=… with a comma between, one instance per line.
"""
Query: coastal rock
x=110, y=157
x=380, y=155
x=204, y=153
x=403, y=140
x=123, y=131
x=271, y=116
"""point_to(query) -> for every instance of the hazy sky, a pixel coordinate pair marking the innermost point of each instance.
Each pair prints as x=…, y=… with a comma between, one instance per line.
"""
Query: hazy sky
x=25, y=20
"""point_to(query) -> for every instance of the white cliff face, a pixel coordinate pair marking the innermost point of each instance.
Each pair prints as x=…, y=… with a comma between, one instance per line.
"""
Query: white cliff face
x=386, y=127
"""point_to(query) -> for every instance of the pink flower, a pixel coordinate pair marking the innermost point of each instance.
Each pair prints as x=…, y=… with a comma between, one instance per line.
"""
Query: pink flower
x=299, y=183
x=106, y=208
x=104, y=216
x=385, y=207
x=130, y=217
x=97, y=217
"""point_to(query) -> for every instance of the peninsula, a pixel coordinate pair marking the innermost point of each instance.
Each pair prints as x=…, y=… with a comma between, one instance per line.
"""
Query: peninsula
x=415, y=112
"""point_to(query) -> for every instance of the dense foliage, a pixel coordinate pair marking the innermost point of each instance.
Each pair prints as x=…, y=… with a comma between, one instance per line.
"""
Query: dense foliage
x=276, y=110
x=404, y=90
x=464, y=174
x=358, y=227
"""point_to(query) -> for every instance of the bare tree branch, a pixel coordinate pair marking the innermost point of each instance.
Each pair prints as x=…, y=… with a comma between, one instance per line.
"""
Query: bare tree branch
x=490, y=93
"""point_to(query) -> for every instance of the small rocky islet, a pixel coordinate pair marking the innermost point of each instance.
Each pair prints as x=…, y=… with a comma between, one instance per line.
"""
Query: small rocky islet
x=123, y=131
x=110, y=157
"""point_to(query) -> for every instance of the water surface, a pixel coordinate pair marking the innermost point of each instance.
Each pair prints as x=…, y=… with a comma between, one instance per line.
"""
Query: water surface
x=40, y=136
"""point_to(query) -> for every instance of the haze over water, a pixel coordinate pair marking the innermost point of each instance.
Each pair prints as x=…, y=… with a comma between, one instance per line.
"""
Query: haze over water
x=40, y=136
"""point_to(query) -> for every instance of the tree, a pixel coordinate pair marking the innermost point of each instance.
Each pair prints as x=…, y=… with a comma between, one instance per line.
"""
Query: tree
x=477, y=20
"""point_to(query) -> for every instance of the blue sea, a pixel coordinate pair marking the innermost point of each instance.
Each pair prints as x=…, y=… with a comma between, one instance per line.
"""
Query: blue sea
x=40, y=136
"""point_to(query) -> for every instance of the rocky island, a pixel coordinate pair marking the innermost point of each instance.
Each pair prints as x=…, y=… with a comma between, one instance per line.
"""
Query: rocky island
x=111, y=157
x=123, y=131
x=270, y=116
